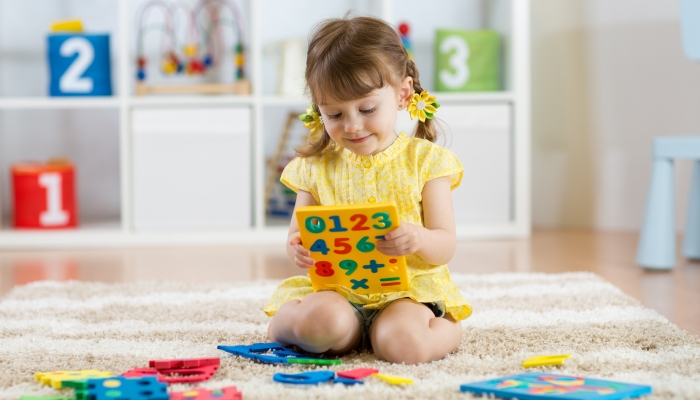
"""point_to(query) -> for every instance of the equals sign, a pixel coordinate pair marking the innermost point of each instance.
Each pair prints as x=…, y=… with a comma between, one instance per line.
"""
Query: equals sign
x=393, y=281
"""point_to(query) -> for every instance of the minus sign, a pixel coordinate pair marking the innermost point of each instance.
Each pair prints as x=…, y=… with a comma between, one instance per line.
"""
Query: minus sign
x=379, y=237
x=391, y=283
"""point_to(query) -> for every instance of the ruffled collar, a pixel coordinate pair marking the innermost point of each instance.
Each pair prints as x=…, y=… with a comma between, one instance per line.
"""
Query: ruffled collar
x=380, y=158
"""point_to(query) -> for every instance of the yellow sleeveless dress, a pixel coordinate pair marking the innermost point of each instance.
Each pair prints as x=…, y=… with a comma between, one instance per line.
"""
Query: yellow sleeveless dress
x=339, y=177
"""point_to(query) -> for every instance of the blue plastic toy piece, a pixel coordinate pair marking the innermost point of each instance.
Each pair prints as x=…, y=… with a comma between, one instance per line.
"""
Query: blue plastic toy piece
x=304, y=378
x=119, y=387
x=346, y=381
x=280, y=353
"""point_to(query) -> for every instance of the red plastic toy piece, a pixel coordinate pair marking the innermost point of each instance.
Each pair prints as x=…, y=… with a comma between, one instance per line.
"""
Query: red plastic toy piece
x=184, y=363
x=190, y=375
x=403, y=28
x=358, y=373
x=227, y=393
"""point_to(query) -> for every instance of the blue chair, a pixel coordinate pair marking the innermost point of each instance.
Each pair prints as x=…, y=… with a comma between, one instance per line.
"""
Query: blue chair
x=657, y=243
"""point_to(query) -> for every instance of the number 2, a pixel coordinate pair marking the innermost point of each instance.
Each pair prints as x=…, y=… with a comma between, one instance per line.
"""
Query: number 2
x=72, y=81
x=360, y=225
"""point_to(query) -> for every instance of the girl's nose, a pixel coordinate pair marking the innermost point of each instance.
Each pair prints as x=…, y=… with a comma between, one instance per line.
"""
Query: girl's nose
x=353, y=124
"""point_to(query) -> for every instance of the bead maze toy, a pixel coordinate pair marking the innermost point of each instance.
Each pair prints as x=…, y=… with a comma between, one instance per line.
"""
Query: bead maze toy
x=202, y=51
x=342, y=240
x=536, y=386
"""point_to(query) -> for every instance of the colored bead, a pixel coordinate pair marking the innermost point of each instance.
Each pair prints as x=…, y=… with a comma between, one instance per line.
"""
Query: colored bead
x=190, y=50
x=141, y=62
x=403, y=28
x=141, y=75
x=207, y=60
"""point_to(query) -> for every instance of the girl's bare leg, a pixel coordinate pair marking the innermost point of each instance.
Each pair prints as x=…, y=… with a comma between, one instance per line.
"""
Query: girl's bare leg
x=322, y=322
x=408, y=332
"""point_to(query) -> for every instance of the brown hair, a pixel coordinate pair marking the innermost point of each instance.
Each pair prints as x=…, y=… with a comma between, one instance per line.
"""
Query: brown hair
x=350, y=57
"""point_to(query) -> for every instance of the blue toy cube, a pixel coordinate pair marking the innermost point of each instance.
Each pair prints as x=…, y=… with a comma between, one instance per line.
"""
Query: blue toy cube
x=79, y=65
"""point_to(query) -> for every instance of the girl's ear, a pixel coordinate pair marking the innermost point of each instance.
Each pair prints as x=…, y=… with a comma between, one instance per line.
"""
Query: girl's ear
x=405, y=92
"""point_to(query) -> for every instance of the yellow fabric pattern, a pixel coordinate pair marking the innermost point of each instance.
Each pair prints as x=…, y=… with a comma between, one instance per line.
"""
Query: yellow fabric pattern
x=398, y=173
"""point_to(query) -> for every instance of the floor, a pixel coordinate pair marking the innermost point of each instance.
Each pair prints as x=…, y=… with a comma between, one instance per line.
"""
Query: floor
x=675, y=294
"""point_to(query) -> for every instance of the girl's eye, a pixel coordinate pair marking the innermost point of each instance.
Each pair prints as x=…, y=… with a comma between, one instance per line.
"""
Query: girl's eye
x=332, y=116
x=370, y=111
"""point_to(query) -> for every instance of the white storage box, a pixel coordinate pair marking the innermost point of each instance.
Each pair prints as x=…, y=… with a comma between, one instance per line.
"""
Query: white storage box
x=480, y=135
x=191, y=168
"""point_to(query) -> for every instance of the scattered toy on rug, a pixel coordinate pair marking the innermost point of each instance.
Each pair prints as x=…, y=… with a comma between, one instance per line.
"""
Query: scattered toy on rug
x=351, y=377
x=179, y=371
x=226, y=393
x=541, y=361
x=394, y=380
x=281, y=355
x=533, y=386
x=56, y=379
x=304, y=378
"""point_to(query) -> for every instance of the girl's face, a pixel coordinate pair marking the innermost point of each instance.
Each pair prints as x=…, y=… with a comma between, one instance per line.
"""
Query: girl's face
x=365, y=126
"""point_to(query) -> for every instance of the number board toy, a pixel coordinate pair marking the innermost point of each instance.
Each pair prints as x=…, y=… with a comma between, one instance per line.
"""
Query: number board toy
x=536, y=386
x=118, y=388
x=343, y=241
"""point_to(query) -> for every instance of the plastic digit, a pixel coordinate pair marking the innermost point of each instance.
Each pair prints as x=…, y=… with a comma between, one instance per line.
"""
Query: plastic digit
x=349, y=266
x=364, y=246
x=384, y=220
x=319, y=246
x=315, y=224
x=324, y=268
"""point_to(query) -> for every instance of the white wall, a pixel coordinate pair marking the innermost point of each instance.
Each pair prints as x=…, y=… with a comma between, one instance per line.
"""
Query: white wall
x=608, y=76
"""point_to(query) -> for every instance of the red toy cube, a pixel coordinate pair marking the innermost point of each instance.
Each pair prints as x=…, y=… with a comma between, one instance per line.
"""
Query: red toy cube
x=44, y=195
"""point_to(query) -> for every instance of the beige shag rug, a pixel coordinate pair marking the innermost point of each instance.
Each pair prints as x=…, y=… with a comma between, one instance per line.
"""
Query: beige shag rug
x=51, y=326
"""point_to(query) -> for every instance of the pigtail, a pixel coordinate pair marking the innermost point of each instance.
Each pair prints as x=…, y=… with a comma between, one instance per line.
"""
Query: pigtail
x=424, y=130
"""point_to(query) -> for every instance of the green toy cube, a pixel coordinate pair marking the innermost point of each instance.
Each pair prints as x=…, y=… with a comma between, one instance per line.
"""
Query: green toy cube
x=467, y=60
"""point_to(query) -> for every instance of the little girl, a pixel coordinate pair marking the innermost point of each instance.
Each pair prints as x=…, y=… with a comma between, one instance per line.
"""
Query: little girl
x=359, y=75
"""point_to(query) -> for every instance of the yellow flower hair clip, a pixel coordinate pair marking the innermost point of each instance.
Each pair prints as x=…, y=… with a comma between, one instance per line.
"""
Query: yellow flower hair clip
x=312, y=121
x=423, y=106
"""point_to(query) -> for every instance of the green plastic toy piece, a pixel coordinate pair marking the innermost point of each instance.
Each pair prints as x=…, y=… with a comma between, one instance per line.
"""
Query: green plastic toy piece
x=316, y=361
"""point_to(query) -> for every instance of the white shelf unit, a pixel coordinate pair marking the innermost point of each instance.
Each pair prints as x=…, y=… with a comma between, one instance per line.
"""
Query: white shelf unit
x=267, y=21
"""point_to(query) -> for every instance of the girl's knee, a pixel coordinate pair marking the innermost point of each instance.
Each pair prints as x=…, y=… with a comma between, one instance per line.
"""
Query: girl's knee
x=398, y=343
x=323, y=324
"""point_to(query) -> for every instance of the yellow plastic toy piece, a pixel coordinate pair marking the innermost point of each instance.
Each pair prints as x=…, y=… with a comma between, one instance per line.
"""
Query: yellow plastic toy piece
x=394, y=380
x=55, y=379
x=71, y=25
x=540, y=361
x=343, y=240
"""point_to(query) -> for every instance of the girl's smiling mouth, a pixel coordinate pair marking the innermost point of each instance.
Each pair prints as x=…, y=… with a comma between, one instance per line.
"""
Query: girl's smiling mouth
x=360, y=140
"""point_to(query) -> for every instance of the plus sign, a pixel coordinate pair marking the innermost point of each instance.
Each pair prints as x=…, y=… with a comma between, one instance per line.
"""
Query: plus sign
x=373, y=266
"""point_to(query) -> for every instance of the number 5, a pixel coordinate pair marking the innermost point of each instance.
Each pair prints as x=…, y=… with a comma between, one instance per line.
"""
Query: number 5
x=342, y=242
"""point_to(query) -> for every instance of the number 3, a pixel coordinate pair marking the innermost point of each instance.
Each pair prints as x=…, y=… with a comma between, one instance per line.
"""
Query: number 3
x=71, y=81
x=458, y=61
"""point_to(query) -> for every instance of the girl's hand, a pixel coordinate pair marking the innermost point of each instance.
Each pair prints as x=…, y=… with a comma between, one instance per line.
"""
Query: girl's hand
x=302, y=257
x=402, y=241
